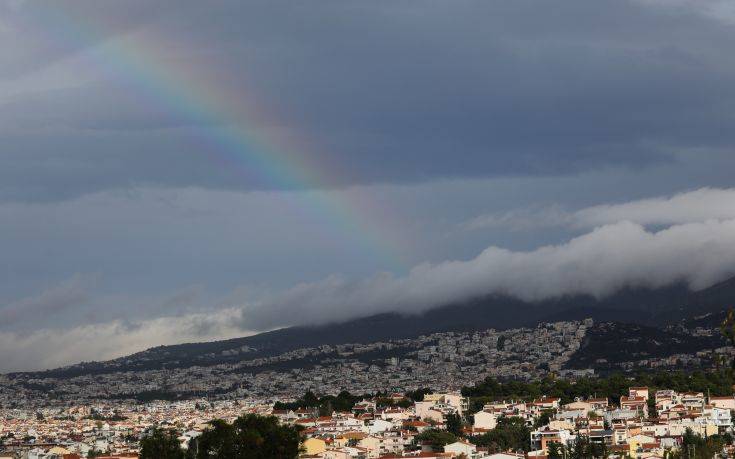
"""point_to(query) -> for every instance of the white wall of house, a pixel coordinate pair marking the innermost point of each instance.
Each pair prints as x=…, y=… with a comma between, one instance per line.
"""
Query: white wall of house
x=485, y=420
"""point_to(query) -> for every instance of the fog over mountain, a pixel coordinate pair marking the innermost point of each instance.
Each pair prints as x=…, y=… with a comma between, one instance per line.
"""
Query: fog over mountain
x=598, y=263
x=617, y=254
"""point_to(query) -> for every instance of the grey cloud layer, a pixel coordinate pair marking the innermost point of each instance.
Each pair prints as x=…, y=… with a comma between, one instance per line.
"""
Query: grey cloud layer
x=397, y=92
x=686, y=207
x=57, y=300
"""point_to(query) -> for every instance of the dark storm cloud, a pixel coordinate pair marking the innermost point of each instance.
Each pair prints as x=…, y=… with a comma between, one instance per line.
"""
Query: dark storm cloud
x=397, y=91
x=50, y=303
x=36, y=35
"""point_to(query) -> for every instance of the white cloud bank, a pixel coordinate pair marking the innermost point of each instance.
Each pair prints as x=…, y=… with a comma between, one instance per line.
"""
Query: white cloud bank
x=597, y=263
x=692, y=206
x=697, y=246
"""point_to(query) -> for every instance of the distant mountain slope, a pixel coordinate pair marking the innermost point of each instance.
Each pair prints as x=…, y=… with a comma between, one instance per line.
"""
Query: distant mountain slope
x=634, y=342
x=653, y=307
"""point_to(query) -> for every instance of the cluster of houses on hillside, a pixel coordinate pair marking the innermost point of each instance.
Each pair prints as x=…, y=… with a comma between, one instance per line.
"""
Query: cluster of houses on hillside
x=447, y=360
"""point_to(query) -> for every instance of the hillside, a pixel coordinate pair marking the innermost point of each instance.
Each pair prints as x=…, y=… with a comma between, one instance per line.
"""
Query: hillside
x=642, y=306
x=634, y=343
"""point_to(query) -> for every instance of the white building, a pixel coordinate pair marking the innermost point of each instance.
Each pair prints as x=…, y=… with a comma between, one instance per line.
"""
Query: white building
x=461, y=447
x=485, y=420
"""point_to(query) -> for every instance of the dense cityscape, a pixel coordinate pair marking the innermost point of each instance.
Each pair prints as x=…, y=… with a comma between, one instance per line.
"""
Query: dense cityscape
x=449, y=360
x=642, y=424
x=109, y=414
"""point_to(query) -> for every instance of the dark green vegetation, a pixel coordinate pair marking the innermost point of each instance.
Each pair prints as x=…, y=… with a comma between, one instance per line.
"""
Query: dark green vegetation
x=249, y=437
x=633, y=342
x=151, y=395
x=715, y=382
x=344, y=401
x=418, y=394
x=582, y=449
x=161, y=444
x=436, y=438
x=454, y=424
x=511, y=434
x=654, y=307
x=697, y=447
x=325, y=405
x=99, y=417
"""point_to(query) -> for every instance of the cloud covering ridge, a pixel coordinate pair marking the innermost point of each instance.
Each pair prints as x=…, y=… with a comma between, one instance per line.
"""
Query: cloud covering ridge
x=686, y=237
x=598, y=263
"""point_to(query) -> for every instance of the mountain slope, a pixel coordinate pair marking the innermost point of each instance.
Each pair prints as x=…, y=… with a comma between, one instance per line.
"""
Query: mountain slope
x=635, y=342
x=653, y=307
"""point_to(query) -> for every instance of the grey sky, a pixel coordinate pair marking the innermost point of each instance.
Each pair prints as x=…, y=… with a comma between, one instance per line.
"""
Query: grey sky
x=439, y=128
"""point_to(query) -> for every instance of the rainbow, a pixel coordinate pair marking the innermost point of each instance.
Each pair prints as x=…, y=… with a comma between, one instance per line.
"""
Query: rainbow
x=235, y=136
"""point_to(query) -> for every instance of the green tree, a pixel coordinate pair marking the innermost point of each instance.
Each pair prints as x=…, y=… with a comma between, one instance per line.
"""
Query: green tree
x=418, y=394
x=249, y=437
x=454, y=424
x=344, y=401
x=510, y=434
x=500, y=345
x=92, y=453
x=543, y=419
x=583, y=448
x=580, y=449
x=727, y=328
x=555, y=450
x=218, y=441
x=436, y=438
x=161, y=444
x=697, y=447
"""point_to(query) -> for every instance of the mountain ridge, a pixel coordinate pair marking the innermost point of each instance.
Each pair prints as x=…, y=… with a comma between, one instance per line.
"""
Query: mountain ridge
x=640, y=305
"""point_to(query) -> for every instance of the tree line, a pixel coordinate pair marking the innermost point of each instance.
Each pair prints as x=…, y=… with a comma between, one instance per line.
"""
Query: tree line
x=714, y=382
x=248, y=437
x=345, y=401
